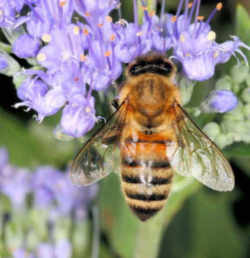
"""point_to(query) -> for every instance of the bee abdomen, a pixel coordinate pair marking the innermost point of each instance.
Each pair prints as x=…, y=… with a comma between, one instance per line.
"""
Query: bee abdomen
x=146, y=199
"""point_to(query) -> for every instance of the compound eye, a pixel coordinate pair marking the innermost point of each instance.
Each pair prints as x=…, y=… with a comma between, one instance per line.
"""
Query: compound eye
x=167, y=67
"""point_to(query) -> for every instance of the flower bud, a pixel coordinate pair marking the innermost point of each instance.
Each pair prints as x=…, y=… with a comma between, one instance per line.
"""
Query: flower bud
x=220, y=101
x=25, y=46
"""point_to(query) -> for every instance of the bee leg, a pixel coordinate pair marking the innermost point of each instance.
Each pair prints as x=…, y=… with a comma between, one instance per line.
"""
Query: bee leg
x=115, y=104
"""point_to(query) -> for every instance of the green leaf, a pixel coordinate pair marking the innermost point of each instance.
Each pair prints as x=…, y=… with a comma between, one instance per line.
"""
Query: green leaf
x=32, y=145
x=237, y=150
x=205, y=227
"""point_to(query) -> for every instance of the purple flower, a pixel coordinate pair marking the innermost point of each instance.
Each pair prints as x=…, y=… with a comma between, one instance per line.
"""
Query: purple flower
x=36, y=95
x=194, y=43
x=43, y=185
x=61, y=250
x=48, y=15
x=94, y=11
x=15, y=183
x=81, y=57
x=220, y=101
x=25, y=46
x=8, y=12
x=3, y=63
x=21, y=253
x=78, y=118
x=4, y=158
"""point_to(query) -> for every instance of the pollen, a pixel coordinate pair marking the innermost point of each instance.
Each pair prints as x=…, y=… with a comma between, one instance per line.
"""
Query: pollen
x=144, y=8
x=112, y=37
x=107, y=53
x=190, y=5
x=85, y=31
x=83, y=57
x=41, y=57
x=173, y=19
x=62, y=3
x=88, y=109
x=109, y=19
x=211, y=35
x=87, y=14
x=139, y=33
x=76, y=30
x=219, y=6
x=200, y=18
x=182, y=38
x=152, y=13
x=100, y=25
x=216, y=53
x=76, y=79
x=46, y=37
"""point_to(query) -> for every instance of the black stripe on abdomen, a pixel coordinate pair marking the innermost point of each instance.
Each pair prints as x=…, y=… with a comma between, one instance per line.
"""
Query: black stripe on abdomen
x=147, y=198
x=154, y=181
x=145, y=163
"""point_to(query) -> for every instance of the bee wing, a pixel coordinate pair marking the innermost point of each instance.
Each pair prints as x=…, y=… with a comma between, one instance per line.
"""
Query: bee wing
x=195, y=154
x=99, y=155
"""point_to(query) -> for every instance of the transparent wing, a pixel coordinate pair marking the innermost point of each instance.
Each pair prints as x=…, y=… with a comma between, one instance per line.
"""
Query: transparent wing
x=99, y=155
x=194, y=154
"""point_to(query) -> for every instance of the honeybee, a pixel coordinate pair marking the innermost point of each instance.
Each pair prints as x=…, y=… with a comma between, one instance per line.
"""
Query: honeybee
x=154, y=137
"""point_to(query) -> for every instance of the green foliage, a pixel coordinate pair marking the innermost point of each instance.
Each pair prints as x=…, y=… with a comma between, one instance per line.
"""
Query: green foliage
x=243, y=26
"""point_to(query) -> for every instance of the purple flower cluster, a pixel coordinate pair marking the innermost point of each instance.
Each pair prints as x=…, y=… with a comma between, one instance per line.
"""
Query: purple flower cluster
x=82, y=53
x=62, y=249
x=51, y=189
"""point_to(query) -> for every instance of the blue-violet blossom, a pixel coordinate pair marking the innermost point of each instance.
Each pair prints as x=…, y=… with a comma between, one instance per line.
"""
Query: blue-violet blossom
x=79, y=57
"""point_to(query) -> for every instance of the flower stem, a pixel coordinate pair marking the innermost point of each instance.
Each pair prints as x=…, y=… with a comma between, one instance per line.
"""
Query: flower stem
x=5, y=47
x=150, y=4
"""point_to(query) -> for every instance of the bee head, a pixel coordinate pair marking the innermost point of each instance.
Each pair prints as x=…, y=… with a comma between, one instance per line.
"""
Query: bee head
x=151, y=63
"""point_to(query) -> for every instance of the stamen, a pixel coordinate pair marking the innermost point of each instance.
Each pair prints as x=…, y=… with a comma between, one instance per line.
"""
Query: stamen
x=135, y=12
x=216, y=54
x=87, y=109
x=62, y=3
x=211, y=35
x=211, y=16
x=83, y=57
x=190, y=5
x=219, y=6
x=198, y=8
x=152, y=13
x=109, y=19
x=46, y=38
x=76, y=30
x=112, y=37
x=192, y=12
x=85, y=31
x=76, y=79
x=107, y=53
x=179, y=8
x=182, y=38
x=173, y=19
x=139, y=33
x=100, y=25
x=200, y=18
x=163, y=5
x=87, y=14
x=41, y=57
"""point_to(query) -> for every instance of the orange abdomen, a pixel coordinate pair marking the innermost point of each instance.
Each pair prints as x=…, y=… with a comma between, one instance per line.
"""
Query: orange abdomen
x=146, y=175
